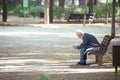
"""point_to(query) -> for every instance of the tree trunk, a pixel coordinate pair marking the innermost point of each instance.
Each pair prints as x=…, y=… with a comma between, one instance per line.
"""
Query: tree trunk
x=73, y=3
x=82, y=2
x=119, y=2
x=61, y=3
x=38, y=2
x=90, y=6
x=51, y=11
x=95, y=2
x=79, y=2
x=4, y=13
x=46, y=12
x=16, y=2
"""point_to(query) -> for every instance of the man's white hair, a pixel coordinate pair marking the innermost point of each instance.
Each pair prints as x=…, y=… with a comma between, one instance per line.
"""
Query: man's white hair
x=80, y=31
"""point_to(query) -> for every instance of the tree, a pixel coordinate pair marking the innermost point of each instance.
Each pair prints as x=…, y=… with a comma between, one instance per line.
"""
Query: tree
x=90, y=4
x=16, y=2
x=79, y=2
x=61, y=3
x=119, y=2
x=95, y=2
x=73, y=3
x=46, y=12
x=4, y=14
x=38, y=2
x=51, y=11
x=82, y=2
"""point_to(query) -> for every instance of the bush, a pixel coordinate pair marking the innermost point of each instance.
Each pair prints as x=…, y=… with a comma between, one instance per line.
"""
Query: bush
x=59, y=12
x=17, y=9
x=33, y=11
x=118, y=12
x=22, y=12
x=36, y=10
x=101, y=10
x=10, y=6
x=78, y=10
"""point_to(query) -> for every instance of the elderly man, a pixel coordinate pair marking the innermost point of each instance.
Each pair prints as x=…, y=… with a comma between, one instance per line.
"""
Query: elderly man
x=88, y=39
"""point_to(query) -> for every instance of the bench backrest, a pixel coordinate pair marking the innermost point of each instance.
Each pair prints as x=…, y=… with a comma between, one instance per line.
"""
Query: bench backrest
x=104, y=44
x=75, y=16
x=81, y=16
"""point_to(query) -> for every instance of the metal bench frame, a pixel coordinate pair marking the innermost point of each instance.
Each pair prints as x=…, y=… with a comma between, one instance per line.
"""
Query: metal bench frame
x=100, y=50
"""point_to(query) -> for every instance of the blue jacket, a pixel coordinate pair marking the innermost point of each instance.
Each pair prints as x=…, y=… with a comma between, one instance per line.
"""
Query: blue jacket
x=88, y=39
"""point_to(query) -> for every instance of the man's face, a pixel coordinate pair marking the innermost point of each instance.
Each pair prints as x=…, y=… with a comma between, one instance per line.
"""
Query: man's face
x=79, y=35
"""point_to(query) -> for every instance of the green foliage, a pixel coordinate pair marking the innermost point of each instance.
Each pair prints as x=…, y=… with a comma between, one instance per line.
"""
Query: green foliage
x=118, y=12
x=26, y=12
x=17, y=9
x=101, y=10
x=0, y=6
x=45, y=77
x=30, y=3
x=77, y=10
x=33, y=11
x=10, y=6
x=59, y=12
x=63, y=13
x=117, y=4
x=40, y=8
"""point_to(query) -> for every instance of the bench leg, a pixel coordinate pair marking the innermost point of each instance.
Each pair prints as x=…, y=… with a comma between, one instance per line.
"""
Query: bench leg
x=99, y=59
x=90, y=21
x=67, y=20
x=96, y=58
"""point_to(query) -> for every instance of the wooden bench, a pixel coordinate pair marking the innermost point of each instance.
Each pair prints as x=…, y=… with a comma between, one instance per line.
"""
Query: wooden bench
x=75, y=17
x=100, y=50
x=80, y=17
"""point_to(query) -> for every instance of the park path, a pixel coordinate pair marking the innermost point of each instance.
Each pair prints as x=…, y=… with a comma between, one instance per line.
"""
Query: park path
x=47, y=49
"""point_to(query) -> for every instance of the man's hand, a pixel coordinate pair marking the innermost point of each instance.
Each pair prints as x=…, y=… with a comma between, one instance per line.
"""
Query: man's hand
x=76, y=47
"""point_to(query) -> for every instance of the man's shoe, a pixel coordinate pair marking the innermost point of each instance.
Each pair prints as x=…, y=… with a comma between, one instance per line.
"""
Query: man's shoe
x=79, y=63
